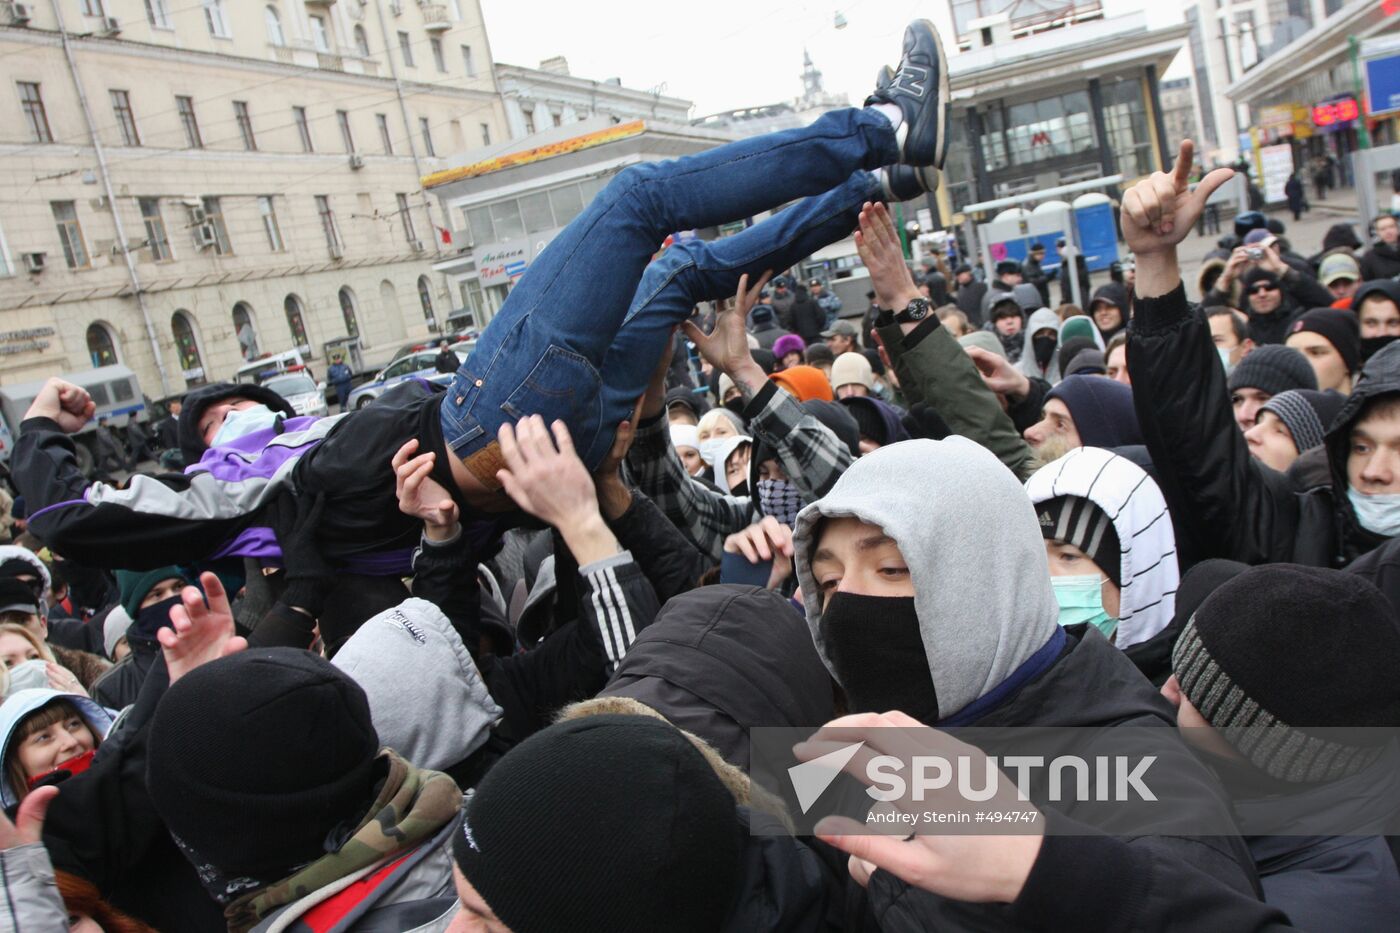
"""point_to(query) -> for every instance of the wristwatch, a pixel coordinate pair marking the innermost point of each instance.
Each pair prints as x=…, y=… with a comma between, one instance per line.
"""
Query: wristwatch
x=915, y=311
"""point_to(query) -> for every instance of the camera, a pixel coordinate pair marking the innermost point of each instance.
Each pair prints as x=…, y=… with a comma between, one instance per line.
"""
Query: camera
x=1255, y=253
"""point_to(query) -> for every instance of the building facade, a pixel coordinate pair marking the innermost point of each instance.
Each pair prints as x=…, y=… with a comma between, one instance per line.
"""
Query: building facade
x=189, y=185
x=1306, y=95
x=536, y=99
x=1179, y=116
x=1056, y=107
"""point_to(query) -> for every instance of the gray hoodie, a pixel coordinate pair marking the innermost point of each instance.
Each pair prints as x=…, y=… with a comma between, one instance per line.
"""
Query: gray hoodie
x=1044, y=319
x=969, y=534
x=426, y=696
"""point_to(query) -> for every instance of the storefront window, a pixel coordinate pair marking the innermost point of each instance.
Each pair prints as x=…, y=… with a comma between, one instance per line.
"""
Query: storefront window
x=1027, y=133
x=296, y=324
x=187, y=346
x=101, y=348
x=1125, y=118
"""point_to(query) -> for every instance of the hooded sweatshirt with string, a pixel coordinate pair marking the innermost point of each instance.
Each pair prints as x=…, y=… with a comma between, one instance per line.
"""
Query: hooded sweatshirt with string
x=988, y=620
x=1030, y=363
x=1139, y=514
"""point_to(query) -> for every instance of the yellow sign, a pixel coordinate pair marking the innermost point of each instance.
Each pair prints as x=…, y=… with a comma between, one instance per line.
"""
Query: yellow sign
x=564, y=146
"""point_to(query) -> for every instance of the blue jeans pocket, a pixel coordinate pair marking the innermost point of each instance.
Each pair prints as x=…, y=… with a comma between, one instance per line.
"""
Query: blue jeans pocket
x=563, y=385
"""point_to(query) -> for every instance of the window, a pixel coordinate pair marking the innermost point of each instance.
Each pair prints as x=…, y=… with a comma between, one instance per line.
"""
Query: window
x=157, y=240
x=158, y=14
x=467, y=62
x=406, y=49
x=567, y=203
x=427, y=133
x=505, y=217
x=554, y=116
x=93, y=8
x=385, y=140
x=343, y=118
x=187, y=346
x=70, y=233
x=303, y=129
x=347, y=311
x=1125, y=119
x=245, y=125
x=101, y=348
x=268, y=209
x=185, y=106
x=361, y=42
x=245, y=332
x=323, y=208
x=425, y=298
x=436, y=45
x=214, y=211
x=5, y=267
x=33, y=103
x=485, y=134
x=126, y=120
x=296, y=323
x=274, y=26
x=529, y=116
x=320, y=37
x=406, y=216
x=216, y=20
x=535, y=211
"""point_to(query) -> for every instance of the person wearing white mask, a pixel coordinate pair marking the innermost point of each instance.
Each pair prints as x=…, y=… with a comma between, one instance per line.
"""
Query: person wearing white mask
x=716, y=425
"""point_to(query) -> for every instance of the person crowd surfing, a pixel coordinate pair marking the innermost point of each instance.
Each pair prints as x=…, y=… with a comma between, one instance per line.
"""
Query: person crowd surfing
x=490, y=657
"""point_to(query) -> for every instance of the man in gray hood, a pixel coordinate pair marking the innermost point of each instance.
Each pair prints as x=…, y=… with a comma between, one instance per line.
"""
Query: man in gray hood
x=927, y=591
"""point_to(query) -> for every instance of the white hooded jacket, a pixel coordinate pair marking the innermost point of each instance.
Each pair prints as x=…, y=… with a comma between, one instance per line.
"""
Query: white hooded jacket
x=1134, y=503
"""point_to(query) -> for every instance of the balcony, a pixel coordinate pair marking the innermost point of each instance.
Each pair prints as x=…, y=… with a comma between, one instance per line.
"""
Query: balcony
x=435, y=17
x=330, y=62
x=320, y=3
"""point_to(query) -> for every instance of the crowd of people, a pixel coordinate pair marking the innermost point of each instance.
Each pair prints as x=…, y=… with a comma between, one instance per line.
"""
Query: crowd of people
x=489, y=657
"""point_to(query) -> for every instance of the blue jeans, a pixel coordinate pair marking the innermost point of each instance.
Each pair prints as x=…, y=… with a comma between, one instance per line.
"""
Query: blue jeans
x=578, y=337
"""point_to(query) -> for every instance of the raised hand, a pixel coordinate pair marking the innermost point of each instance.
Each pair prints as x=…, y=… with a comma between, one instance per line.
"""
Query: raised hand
x=727, y=346
x=881, y=252
x=203, y=629
x=1161, y=209
x=972, y=868
x=614, y=496
x=28, y=826
x=998, y=374
x=421, y=496
x=69, y=405
x=545, y=477
x=766, y=540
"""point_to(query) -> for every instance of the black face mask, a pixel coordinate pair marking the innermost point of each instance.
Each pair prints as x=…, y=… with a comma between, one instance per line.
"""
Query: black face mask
x=740, y=489
x=1370, y=346
x=874, y=644
x=152, y=618
x=736, y=405
x=1044, y=348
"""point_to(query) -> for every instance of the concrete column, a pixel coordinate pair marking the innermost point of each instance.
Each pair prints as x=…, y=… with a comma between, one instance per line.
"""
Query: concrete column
x=1108, y=159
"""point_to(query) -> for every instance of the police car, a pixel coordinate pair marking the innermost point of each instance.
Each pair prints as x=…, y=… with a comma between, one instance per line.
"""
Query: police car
x=420, y=362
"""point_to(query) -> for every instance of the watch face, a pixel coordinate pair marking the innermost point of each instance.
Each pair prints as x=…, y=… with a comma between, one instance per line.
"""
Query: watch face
x=917, y=309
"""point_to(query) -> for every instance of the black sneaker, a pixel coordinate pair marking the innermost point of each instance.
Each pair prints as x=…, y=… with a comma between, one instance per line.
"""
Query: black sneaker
x=907, y=182
x=920, y=90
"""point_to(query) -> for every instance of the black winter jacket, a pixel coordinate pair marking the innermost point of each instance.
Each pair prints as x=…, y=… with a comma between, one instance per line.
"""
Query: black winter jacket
x=1380, y=262
x=1164, y=880
x=1227, y=503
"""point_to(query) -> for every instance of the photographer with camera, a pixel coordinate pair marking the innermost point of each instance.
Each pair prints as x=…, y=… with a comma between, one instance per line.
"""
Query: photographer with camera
x=1258, y=282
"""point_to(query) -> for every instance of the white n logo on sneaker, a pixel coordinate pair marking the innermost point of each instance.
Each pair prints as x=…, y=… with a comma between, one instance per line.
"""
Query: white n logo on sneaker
x=911, y=78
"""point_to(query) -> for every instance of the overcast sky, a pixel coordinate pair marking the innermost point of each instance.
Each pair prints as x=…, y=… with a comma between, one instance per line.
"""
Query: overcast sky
x=726, y=54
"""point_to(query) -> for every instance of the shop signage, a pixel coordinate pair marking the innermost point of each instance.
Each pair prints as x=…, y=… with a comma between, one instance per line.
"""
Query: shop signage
x=502, y=263
x=1335, y=114
x=1381, y=70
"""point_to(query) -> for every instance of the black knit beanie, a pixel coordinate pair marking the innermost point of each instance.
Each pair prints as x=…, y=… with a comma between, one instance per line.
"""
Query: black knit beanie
x=1280, y=649
x=868, y=420
x=613, y=824
x=256, y=757
x=1341, y=329
x=1077, y=521
x=1273, y=369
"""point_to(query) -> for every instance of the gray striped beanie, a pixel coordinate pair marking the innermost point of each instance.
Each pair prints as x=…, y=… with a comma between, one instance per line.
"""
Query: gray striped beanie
x=1078, y=521
x=1294, y=666
x=1305, y=413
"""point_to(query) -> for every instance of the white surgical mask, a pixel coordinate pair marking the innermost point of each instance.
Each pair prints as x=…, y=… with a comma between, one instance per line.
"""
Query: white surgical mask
x=1225, y=359
x=709, y=449
x=242, y=423
x=1378, y=514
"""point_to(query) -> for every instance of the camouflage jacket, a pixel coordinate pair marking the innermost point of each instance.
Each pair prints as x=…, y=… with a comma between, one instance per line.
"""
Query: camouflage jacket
x=412, y=808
